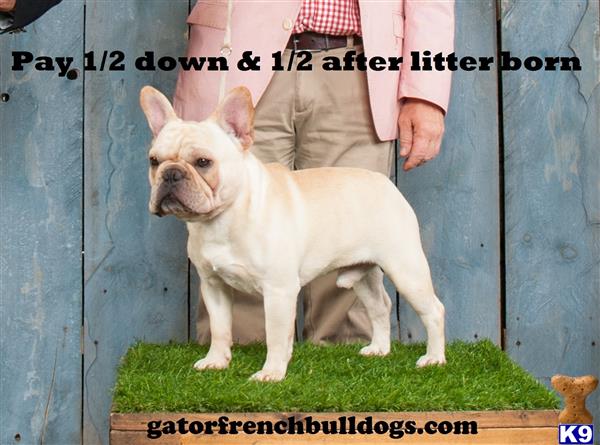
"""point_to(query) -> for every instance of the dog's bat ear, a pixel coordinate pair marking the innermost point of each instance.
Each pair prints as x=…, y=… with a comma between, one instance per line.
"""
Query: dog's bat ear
x=157, y=108
x=236, y=114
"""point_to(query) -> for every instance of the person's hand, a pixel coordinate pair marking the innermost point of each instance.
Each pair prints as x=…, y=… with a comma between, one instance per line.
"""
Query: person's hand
x=7, y=5
x=421, y=126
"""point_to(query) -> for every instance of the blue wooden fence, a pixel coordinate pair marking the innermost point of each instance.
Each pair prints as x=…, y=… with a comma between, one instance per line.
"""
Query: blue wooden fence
x=510, y=211
x=552, y=198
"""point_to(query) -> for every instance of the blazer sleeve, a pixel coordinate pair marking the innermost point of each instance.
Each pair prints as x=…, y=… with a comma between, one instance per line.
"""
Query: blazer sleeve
x=27, y=11
x=428, y=26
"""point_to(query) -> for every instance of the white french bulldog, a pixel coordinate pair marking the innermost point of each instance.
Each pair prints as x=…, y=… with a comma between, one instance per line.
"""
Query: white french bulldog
x=262, y=229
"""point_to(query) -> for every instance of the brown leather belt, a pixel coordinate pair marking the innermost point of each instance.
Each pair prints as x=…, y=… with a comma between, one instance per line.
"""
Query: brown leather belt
x=314, y=41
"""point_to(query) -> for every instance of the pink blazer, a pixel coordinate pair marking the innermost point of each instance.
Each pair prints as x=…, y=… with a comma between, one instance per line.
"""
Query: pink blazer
x=389, y=28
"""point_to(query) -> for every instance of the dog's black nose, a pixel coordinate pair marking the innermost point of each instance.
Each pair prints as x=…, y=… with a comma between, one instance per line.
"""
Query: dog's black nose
x=173, y=175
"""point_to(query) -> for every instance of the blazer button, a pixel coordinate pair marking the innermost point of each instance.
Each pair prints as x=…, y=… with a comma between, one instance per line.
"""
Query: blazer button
x=288, y=24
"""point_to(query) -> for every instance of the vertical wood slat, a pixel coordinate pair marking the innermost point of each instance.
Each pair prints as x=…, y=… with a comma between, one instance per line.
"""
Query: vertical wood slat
x=135, y=263
x=193, y=278
x=40, y=263
x=552, y=177
x=456, y=195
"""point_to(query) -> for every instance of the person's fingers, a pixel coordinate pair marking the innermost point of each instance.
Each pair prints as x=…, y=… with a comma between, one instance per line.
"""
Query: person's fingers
x=434, y=148
x=421, y=129
x=419, y=152
x=406, y=135
x=437, y=141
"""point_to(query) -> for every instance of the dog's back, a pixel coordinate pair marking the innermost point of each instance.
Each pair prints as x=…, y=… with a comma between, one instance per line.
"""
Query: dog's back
x=340, y=206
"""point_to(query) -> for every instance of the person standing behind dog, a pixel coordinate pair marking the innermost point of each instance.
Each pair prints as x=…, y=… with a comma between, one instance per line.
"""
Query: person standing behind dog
x=318, y=118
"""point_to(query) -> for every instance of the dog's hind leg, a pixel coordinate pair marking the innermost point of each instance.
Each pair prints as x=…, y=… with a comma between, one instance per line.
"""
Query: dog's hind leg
x=412, y=278
x=367, y=283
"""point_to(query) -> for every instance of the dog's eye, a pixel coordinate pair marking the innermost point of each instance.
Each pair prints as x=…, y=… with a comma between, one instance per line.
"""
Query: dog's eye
x=203, y=162
x=153, y=161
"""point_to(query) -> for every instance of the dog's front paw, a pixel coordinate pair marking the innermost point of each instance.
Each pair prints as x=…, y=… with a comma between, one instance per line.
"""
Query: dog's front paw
x=211, y=363
x=268, y=376
x=431, y=359
x=372, y=349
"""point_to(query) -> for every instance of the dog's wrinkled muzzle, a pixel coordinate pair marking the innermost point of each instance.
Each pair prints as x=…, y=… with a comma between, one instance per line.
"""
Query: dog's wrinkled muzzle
x=165, y=201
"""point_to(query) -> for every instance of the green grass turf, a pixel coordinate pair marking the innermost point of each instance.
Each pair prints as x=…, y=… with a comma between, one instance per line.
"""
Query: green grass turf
x=478, y=376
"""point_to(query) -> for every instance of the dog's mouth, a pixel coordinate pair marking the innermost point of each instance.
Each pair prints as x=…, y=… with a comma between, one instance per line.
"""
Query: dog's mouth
x=182, y=201
x=170, y=205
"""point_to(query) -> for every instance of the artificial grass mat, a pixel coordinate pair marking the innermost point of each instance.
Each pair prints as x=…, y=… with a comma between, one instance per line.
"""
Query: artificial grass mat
x=478, y=376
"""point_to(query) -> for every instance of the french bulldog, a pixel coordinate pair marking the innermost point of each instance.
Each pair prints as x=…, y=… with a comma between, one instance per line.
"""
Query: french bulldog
x=264, y=230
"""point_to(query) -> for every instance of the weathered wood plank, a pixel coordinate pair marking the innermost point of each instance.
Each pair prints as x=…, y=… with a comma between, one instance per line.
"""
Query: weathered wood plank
x=552, y=173
x=456, y=195
x=529, y=436
x=135, y=264
x=501, y=436
x=493, y=427
x=496, y=436
x=40, y=265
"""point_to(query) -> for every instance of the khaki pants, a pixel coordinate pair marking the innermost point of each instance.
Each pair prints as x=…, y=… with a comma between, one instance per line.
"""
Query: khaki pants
x=313, y=119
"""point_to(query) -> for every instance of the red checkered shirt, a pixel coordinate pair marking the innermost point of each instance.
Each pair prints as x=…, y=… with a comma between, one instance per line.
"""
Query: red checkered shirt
x=333, y=17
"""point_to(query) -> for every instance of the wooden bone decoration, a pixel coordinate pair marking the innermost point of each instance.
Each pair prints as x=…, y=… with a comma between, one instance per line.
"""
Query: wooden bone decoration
x=574, y=391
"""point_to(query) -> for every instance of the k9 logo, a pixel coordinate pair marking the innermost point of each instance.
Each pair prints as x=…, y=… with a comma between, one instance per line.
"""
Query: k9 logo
x=575, y=434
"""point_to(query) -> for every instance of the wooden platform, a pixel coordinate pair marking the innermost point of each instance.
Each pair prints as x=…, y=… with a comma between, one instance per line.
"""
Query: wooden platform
x=493, y=427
